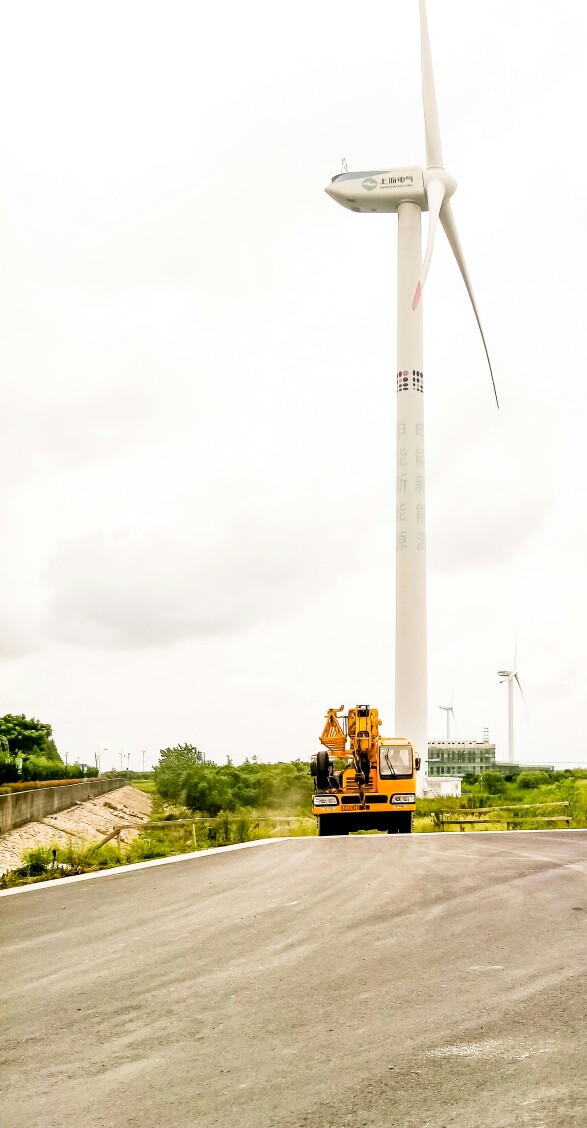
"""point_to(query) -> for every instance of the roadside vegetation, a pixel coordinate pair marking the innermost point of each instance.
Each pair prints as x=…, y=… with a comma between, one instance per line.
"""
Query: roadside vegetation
x=28, y=753
x=493, y=790
x=226, y=804
x=225, y=829
x=183, y=776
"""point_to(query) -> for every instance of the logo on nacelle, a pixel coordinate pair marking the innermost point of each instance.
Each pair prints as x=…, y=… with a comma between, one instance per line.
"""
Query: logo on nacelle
x=369, y=183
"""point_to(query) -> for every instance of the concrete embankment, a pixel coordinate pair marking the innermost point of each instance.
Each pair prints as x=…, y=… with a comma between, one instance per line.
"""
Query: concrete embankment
x=20, y=807
x=84, y=823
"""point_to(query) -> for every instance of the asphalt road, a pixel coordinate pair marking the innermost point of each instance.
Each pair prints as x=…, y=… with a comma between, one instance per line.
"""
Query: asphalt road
x=418, y=982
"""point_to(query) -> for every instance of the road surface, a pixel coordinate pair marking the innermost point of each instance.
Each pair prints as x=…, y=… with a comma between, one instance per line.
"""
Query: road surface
x=427, y=981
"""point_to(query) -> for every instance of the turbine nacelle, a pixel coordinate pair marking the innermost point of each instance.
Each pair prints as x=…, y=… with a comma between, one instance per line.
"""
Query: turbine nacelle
x=380, y=190
x=383, y=190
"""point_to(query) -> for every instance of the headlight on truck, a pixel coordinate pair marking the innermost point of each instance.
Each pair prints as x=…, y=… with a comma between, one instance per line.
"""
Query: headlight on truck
x=325, y=801
x=397, y=799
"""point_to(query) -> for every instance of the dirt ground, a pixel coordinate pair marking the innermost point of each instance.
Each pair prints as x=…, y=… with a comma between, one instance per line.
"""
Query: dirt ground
x=84, y=823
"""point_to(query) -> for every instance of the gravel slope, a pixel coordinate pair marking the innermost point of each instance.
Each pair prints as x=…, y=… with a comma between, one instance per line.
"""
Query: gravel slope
x=86, y=822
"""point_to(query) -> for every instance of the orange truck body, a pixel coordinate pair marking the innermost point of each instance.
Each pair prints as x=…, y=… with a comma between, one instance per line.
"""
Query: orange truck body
x=374, y=788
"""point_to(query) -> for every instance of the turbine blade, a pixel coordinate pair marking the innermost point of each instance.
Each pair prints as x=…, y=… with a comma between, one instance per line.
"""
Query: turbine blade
x=526, y=706
x=431, y=127
x=435, y=192
x=521, y=690
x=447, y=220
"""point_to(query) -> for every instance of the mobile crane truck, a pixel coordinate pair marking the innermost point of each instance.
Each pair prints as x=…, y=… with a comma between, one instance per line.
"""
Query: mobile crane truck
x=375, y=789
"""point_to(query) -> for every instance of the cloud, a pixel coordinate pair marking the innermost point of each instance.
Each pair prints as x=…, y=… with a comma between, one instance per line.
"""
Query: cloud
x=482, y=533
x=490, y=498
x=18, y=637
x=125, y=592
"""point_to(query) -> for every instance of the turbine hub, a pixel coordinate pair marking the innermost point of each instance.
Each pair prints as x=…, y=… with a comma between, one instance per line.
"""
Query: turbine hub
x=448, y=181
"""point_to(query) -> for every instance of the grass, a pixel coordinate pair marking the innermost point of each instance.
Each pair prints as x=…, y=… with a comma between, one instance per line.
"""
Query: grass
x=48, y=863
x=51, y=862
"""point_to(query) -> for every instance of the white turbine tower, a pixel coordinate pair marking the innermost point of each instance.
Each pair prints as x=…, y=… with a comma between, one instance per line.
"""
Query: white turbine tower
x=409, y=192
x=511, y=676
x=448, y=709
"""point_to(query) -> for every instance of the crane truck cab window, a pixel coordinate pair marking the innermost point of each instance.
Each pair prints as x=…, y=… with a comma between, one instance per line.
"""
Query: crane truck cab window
x=395, y=760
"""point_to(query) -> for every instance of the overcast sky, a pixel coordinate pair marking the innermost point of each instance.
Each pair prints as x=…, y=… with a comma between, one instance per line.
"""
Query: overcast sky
x=197, y=371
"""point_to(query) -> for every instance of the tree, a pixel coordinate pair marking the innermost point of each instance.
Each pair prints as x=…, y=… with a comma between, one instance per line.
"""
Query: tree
x=8, y=765
x=493, y=783
x=29, y=737
x=530, y=780
x=173, y=765
x=208, y=790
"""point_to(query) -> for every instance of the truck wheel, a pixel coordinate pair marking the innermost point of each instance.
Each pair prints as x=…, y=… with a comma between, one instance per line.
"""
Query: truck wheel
x=332, y=826
x=322, y=770
x=400, y=823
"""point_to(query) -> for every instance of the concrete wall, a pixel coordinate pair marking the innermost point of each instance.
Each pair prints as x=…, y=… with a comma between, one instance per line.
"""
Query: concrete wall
x=20, y=807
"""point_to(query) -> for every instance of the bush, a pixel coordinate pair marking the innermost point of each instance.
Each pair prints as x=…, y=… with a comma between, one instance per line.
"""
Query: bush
x=37, y=861
x=8, y=772
x=206, y=790
x=182, y=777
x=30, y=785
x=530, y=780
x=493, y=783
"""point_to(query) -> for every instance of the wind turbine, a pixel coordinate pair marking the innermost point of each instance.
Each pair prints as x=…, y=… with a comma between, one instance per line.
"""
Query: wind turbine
x=409, y=192
x=510, y=676
x=448, y=709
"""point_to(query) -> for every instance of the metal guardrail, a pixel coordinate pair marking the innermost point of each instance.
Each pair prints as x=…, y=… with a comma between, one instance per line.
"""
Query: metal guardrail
x=462, y=817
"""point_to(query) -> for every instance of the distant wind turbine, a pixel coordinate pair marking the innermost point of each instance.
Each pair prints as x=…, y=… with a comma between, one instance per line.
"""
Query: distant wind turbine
x=448, y=709
x=409, y=192
x=511, y=676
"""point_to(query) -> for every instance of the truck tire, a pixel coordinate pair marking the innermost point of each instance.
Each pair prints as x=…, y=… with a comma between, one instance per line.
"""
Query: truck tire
x=322, y=770
x=401, y=823
x=332, y=826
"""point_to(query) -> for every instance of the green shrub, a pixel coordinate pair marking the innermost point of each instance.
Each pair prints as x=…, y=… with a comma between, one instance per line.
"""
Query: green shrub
x=37, y=861
x=143, y=849
x=8, y=772
x=530, y=780
x=493, y=783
